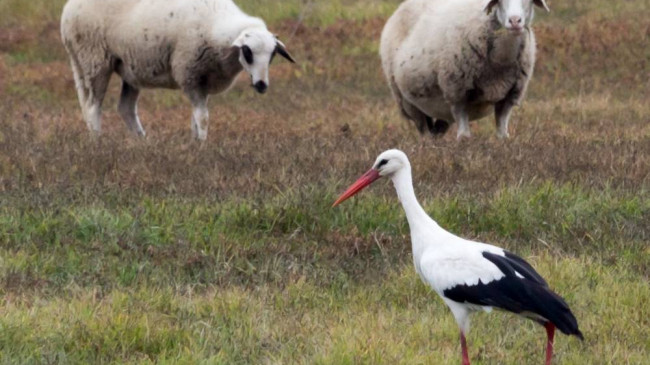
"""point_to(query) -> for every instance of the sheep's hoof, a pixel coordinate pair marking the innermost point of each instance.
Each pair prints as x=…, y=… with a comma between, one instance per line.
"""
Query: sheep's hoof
x=502, y=133
x=199, y=134
x=201, y=137
x=95, y=134
x=463, y=135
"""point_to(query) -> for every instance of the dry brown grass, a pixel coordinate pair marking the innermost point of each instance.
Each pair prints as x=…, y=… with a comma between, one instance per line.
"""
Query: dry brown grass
x=325, y=118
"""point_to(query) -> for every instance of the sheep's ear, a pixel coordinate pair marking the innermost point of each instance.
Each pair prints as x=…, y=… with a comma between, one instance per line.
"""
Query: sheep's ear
x=282, y=51
x=490, y=6
x=541, y=4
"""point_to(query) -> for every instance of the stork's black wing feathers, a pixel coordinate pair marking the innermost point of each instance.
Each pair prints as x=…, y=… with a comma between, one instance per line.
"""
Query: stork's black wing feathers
x=522, y=267
x=529, y=296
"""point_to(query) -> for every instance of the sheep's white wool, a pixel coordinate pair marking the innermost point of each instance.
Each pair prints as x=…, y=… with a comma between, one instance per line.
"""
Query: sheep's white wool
x=194, y=45
x=451, y=61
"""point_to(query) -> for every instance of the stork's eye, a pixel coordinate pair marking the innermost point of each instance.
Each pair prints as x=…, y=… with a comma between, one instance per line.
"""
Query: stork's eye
x=248, y=54
x=382, y=163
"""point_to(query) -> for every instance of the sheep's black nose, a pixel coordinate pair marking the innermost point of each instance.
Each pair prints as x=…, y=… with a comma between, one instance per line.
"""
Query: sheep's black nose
x=260, y=86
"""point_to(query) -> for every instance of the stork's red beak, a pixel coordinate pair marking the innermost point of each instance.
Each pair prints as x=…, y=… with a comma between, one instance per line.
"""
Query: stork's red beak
x=365, y=180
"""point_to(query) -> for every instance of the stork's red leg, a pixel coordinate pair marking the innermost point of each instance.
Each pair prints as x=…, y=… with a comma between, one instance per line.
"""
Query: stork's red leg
x=463, y=346
x=550, y=332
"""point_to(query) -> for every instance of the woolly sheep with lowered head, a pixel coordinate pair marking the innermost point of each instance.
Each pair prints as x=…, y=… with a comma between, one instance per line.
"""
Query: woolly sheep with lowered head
x=458, y=60
x=198, y=46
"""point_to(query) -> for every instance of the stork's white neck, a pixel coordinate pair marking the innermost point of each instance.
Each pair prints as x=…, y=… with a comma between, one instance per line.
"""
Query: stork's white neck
x=415, y=214
x=424, y=230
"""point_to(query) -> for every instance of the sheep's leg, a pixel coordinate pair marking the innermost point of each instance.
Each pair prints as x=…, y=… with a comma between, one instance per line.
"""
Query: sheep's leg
x=422, y=121
x=91, y=78
x=502, y=112
x=98, y=86
x=82, y=92
x=459, y=111
x=128, y=108
x=199, y=115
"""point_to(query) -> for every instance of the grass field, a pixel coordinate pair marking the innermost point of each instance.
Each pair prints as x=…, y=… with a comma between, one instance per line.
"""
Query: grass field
x=163, y=250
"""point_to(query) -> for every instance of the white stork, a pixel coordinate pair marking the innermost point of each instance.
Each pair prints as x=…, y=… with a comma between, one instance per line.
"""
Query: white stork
x=469, y=276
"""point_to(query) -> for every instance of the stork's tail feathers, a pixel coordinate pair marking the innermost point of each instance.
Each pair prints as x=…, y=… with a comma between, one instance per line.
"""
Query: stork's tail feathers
x=579, y=335
x=524, y=291
x=557, y=311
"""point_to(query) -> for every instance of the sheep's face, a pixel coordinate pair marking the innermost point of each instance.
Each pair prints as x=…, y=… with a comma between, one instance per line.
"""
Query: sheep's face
x=257, y=48
x=514, y=15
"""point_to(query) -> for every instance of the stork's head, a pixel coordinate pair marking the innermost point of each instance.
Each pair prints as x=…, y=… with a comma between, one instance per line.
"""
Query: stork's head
x=387, y=164
x=257, y=47
x=514, y=15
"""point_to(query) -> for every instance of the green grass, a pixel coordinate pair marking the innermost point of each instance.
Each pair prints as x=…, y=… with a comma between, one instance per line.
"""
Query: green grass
x=394, y=319
x=29, y=13
x=318, y=12
x=312, y=12
x=291, y=280
x=324, y=12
